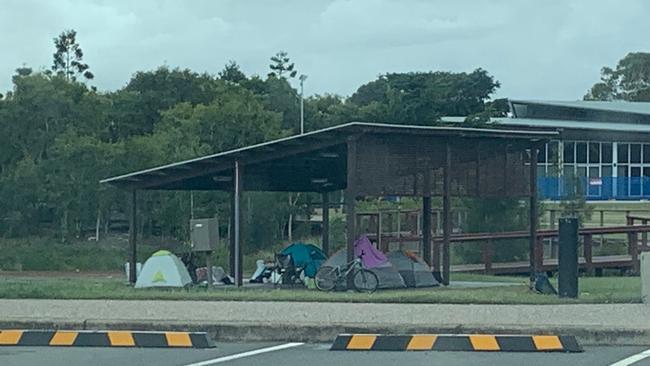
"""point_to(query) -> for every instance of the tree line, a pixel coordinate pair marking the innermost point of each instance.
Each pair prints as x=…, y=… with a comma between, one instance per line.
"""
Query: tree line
x=59, y=136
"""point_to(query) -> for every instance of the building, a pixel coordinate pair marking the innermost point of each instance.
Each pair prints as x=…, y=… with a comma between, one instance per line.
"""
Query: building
x=603, y=151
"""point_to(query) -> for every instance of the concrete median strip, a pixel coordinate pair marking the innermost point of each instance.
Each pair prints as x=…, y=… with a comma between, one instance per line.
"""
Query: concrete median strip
x=73, y=338
x=464, y=342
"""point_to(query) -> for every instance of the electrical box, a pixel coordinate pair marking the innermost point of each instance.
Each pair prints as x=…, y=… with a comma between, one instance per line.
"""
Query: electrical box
x=204, y=234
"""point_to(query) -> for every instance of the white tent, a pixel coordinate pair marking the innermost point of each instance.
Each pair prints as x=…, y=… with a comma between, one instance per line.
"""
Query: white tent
x=163, y=269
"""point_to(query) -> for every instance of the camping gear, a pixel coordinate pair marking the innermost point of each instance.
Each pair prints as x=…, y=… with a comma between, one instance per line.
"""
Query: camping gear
x=387, y=274
x=414, y=270
x=363, y=280
x=163, y=269
x=286, y=267
x=542, y=285
x=370, y=255
x=306, y=258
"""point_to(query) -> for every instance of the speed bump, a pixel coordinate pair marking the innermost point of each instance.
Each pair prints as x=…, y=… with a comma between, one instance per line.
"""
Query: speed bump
x=461, y=342
x=74, y=338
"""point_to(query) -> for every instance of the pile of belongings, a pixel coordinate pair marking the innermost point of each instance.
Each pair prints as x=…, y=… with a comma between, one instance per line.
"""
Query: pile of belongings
x=292, y=265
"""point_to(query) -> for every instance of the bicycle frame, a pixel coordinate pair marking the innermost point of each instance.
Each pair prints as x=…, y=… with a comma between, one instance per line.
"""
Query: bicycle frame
x=344, y=271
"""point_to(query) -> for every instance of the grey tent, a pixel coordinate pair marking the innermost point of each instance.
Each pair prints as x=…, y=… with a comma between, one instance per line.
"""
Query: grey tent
x=387, y=274
x=414, y=271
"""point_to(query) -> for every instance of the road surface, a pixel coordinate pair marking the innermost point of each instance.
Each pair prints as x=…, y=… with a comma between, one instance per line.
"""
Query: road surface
x=297, y=354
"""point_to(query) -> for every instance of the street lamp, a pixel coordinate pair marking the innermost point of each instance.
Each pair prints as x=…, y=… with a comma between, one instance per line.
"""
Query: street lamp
x=302, y=79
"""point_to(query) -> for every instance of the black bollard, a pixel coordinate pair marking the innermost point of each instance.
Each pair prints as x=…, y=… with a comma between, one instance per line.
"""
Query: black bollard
x=568, y=258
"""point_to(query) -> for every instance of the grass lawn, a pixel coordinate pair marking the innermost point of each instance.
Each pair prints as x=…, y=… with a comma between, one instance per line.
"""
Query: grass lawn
x=592, y=290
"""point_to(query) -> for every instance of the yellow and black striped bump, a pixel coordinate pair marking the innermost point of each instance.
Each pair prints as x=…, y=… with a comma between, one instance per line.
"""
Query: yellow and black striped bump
x=73, y=338
x=468, y=342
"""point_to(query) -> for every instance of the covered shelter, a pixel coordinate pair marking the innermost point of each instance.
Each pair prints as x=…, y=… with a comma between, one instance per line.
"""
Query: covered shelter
x=363, y=159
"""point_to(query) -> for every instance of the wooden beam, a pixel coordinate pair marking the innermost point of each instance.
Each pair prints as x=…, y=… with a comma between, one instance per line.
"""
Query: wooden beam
x=446, y=215
x=535, y=256
x=133, y=233
x=325, y=232
x=350, y=200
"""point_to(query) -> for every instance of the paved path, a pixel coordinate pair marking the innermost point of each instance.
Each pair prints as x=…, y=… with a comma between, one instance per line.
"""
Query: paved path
x=628, y=323
x=308, y=354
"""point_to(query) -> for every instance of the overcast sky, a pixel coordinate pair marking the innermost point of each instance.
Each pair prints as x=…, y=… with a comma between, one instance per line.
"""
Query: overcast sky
x=536, y=49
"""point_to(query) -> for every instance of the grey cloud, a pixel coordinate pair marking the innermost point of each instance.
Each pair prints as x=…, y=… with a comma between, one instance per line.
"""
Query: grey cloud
x=549, y=50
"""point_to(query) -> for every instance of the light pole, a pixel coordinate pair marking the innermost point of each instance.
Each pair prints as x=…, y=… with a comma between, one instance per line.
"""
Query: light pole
x=302, y=79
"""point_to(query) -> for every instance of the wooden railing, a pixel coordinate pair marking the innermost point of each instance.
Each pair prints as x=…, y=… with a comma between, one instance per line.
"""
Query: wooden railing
x=489, y=240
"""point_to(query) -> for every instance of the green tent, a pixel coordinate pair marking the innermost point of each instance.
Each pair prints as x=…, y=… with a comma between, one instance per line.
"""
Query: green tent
x=163, y=269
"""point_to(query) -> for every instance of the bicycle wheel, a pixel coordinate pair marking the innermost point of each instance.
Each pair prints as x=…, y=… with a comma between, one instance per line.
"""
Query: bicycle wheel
x=365, y=281
x=326, y=278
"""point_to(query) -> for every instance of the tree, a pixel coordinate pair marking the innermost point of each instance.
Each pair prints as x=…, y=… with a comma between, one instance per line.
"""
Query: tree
x=68, y=58
x=629, y=81
x=281, y=65
x=232, y=72
x=423, y=97
x=138, y=107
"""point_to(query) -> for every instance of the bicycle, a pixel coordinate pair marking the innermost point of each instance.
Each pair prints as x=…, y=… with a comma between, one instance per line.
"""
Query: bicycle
x=363, y=280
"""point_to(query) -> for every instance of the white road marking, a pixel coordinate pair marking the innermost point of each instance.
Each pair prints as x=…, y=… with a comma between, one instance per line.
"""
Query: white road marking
x=246, y=354
x=633, y=359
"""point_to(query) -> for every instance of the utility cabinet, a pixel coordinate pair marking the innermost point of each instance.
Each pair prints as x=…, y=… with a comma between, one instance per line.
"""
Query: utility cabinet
x=204, y=234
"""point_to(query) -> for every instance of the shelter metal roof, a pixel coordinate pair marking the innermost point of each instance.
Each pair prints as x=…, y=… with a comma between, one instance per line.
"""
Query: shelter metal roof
x=561, y=124
x=295, y=163
x=609, y=106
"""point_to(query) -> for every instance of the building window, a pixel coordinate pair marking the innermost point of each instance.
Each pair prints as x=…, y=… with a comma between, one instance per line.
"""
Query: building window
x=623, y=153
x=594, y=152
x=607, y=153
x=569, y=153
x=635, y=153
x=581, y=152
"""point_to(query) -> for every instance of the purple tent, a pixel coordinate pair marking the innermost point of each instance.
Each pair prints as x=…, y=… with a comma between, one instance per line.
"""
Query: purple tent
x=370, y=256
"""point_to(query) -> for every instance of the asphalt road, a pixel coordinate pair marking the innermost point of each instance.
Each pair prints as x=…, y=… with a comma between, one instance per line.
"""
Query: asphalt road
x=301, y=355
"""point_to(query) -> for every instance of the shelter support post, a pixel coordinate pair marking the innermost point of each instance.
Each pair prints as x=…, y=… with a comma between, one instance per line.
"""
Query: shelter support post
x=350, y=200
x=133, y=233
x=446, y=215
x=325, y=232
x=231, y=236
x=426, y=230
x=535, y=247
x=236, y=212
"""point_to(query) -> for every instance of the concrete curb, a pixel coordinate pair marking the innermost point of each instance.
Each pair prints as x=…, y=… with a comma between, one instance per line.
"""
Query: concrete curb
x=242, y=331
x=110, y=338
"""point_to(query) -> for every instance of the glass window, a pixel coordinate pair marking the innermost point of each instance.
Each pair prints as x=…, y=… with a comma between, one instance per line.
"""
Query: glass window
x=646, y=153
x=622, y=170
x=606, y=171
x=541, y=155
x=607, y=152
x=646, y=172
x=581, y=171
x=593, y=172
x=594, y=152
x=623, y=153
x=635, y=153
x=553, y=152
x=552, y=170
x=569, y=170
x=568, y=152
x=581, y=152
x=541, y=171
